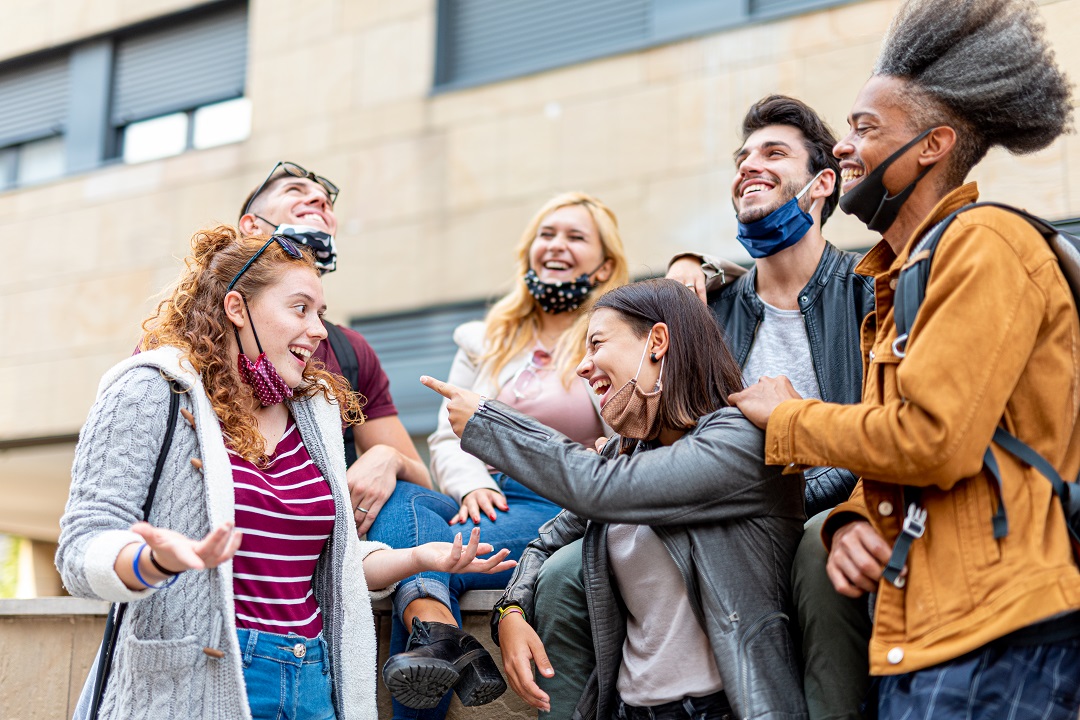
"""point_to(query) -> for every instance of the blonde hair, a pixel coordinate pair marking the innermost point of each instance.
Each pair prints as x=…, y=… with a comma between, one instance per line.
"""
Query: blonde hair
x=192, y=318
x=513, y=323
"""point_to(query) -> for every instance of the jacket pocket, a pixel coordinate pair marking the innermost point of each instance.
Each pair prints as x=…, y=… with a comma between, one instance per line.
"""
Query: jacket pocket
x=881, y=383
x=159, y=678
x=975, y=503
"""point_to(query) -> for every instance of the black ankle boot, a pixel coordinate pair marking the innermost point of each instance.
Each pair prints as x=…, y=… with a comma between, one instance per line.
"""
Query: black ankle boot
x=438, y=657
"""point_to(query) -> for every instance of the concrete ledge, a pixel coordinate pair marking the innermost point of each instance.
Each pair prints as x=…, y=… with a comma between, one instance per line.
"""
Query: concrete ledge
x=50, y=644
x=54, y=606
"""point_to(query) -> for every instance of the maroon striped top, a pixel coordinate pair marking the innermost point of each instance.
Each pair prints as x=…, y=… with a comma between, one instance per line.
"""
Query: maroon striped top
x=286, y=512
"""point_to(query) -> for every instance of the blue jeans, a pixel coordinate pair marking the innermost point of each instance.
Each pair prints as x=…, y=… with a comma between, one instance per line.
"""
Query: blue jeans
x=287, y=676
x=414, y=516
x=997, y=681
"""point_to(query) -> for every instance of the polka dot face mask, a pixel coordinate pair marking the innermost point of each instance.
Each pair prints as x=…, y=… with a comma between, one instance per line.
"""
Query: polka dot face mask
x=261, y=375
x=560, y=297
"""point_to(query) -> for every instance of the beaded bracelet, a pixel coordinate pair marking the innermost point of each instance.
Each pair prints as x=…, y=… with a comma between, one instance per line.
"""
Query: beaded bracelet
x=138, y=575
x=511, y=610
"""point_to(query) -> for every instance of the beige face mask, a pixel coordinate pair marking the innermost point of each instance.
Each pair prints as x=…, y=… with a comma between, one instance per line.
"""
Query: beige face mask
x=633, y=413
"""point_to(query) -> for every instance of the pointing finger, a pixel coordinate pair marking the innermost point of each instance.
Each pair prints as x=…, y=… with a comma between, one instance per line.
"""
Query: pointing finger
x=444, y=389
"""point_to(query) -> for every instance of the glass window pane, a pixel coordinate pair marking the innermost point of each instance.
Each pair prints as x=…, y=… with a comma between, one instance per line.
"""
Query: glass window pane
x=222, y=123
x=41, y=160
x=157, y=138
x=8, y=163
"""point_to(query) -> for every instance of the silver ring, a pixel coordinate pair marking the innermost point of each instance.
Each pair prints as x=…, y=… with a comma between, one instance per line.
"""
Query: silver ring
x=689, y=285
x=362, y=509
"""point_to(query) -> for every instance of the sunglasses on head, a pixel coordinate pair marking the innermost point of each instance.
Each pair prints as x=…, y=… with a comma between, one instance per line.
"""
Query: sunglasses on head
x=294, y=170
x=286, y=244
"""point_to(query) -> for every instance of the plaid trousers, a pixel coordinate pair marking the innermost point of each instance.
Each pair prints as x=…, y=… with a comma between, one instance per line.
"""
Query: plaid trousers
x=1013, y=682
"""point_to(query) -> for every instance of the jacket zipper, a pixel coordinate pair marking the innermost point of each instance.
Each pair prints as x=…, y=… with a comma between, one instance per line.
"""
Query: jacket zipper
x=502, y=418
x=744, y=680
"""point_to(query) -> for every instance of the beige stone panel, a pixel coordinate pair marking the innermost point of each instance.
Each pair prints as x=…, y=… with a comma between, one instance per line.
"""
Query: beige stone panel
x=529, y=148
x=832, y=80
x=587, y=143
x=673, y=62
x=397, y=179
x=748, y=45
x=703, y=123
x=1034, y=182
x=46, y=469
x=474, y=255
x=395, y=61
x=853, y=23
x=307, y=25
x=675, y=216
x=363, y=14
x=474, y=164
x=31, y=26
x=352, y=128
x=49, y=392
x=561, y=86
x=642, y=125
x=384, y=270
x=1071, y=181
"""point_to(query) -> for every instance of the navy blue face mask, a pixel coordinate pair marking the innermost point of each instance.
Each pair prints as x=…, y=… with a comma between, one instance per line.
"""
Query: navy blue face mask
x=778, y=230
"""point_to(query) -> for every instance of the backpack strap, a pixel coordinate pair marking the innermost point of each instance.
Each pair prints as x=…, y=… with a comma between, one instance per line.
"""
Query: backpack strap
x=350, y=370
x=118, y=610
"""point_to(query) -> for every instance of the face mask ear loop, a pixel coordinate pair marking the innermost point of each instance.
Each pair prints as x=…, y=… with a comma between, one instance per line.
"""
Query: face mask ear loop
x=252, y=323
x=260, y=217
x=660, y=378
x=641, y=362
x=807, y=186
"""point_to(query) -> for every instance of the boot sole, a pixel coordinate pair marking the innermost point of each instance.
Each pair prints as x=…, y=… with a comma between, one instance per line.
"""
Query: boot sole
x=421, y=683
x=480, y=682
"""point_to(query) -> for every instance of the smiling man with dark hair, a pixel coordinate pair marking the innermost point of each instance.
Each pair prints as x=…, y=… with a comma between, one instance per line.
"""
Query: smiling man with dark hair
x=966, y=548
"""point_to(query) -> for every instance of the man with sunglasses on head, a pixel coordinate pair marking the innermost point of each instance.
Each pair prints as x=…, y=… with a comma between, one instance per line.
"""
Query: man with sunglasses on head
x=299, y=204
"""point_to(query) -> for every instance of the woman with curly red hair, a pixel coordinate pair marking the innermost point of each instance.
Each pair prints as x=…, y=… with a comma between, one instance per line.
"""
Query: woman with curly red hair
x=246, y=582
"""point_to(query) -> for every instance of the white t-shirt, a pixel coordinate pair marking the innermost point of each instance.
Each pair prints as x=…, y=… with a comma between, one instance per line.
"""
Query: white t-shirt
x=782, y=347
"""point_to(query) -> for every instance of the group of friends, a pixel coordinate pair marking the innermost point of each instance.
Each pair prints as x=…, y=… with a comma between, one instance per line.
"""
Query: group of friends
x=721, y=494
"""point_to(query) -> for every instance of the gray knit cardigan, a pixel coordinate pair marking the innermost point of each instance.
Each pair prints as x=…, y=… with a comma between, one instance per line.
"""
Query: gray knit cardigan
x=161, y=669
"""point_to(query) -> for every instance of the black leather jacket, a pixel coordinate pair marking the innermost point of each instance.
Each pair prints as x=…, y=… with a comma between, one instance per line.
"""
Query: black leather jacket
x=732, y=529
x=834, y=304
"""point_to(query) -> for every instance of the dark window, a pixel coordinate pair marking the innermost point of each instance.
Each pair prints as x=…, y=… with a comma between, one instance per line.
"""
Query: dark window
x=482, y=41
x=71, y=109
x=413, y=344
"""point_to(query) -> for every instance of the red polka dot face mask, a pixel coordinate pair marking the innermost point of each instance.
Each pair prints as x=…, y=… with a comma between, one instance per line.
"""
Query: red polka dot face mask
x=261, y=375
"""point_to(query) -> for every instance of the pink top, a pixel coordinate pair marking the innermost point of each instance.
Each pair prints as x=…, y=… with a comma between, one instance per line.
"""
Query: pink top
x=286, y=512
x=537, y=389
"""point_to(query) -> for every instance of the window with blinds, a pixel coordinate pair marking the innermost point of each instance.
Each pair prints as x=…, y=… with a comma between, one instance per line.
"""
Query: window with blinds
x=174, y=83
x=413, y=344
x=480, y=41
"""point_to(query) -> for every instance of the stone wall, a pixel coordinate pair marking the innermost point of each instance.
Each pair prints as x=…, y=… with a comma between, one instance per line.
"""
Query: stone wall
x=49, y=646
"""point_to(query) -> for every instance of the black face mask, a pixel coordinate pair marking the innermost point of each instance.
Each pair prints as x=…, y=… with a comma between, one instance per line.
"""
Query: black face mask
x=320, y=242
x=560, y=297
x=870, y=201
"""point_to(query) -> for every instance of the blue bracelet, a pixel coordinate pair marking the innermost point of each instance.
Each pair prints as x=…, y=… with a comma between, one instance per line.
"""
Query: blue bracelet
x=135, y=567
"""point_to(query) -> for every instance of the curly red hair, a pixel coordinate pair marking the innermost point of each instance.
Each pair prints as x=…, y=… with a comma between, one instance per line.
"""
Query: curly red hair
x=192, y=318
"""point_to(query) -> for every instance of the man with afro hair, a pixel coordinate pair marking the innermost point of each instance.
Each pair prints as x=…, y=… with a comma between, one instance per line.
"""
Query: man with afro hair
x=982, y=622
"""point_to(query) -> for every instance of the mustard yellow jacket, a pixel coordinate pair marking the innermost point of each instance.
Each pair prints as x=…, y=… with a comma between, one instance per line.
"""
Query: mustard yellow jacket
x=996, y=341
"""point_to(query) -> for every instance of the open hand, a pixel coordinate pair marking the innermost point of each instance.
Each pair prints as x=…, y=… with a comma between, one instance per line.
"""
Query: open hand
x=463, y=403
x=178, y=552
x=521, y=647
x=455, y=558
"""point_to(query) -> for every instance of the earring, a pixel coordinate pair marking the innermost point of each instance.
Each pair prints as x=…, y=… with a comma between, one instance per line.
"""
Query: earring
x=652, y=356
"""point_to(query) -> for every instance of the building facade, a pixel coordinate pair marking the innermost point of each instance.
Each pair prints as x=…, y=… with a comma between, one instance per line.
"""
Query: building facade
x=126, y=125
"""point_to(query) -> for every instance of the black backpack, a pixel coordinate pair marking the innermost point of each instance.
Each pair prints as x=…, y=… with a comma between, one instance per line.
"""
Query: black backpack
x=350, y=370
x=910, y=292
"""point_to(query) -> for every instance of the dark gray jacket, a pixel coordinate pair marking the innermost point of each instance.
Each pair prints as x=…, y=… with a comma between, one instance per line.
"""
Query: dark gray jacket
x=833, y=306
x=730, y=523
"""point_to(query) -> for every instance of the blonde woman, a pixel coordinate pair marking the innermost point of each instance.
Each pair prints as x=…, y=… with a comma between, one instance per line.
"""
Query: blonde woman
x=524, y=354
